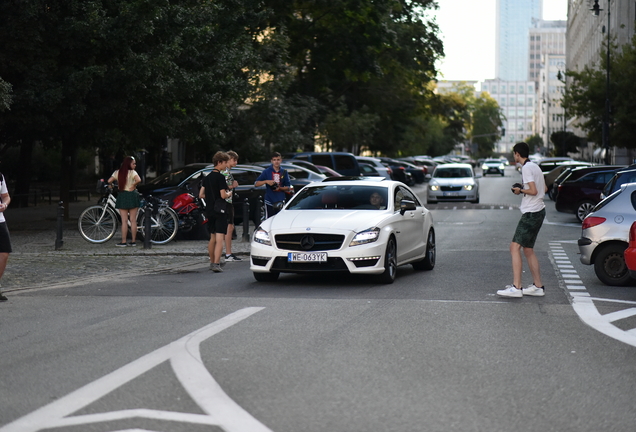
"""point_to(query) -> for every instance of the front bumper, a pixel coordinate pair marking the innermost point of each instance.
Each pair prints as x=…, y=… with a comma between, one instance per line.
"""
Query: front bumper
x=461, y=195
x=361, y=259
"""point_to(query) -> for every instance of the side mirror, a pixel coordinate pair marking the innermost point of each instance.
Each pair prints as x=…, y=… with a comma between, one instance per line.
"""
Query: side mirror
x=428, y=176
x=406, y=205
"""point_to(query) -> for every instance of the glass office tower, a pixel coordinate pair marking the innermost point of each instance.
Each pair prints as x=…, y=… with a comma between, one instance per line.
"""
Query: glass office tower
x=514, y=18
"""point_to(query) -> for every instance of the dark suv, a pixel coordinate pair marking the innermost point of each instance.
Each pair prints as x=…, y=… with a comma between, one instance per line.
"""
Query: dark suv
x=581, y=190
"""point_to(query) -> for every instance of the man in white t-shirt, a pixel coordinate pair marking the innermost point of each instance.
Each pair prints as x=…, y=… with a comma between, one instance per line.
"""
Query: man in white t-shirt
x=5, y=239
x=532, y=215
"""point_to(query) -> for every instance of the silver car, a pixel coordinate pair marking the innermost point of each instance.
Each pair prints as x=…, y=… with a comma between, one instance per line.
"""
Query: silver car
x=453, y=182
x=376, y=163
x=605, y=234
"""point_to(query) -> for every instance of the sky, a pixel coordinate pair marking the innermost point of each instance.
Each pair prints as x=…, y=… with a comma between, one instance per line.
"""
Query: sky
x=468, y=32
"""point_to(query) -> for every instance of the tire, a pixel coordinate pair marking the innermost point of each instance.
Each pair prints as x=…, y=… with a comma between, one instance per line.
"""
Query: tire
x=266, y=277
x=583, y=209
x=390, y=262
x=552, y=193
x=163, y=227
x=97, y=225
x=610, y=267
x=428, y=263
x=503, y=174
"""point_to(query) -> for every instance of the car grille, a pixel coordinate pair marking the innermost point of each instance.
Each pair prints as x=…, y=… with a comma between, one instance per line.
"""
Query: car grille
x=451, y=188
x=333, y=264
x=309, y=242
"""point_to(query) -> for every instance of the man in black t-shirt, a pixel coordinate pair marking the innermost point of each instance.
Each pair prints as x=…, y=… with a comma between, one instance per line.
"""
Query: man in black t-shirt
x=214, y=188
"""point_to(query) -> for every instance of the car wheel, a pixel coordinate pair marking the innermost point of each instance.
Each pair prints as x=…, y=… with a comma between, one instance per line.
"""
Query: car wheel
x=429, y=259
x=390, y=262
x=266, y=277
x=503, y=174
x=584, y=208
x=552, y=193
x=610, y=267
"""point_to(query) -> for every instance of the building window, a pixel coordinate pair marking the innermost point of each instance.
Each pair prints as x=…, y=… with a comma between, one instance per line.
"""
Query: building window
x=485, y=87
x=503, y=88
x=530, y=88
x=531, y=74
x=521, y=89
x=493, y=89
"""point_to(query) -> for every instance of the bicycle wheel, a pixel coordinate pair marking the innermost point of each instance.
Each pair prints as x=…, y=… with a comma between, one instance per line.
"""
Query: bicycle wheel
x=163, y=227
x=97, y=224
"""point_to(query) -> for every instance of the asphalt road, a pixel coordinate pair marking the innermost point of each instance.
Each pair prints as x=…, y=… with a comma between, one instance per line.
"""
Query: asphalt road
x=187, y=350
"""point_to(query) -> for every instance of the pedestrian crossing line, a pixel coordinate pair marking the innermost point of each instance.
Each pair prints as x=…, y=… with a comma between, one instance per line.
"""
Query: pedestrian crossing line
x=583, y=302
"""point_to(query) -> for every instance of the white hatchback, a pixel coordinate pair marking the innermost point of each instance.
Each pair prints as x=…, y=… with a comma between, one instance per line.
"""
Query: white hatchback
x=357, y=226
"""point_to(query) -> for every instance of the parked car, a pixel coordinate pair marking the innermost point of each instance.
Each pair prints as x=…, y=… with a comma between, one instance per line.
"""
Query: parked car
x=552, y=175
x=403, y=171
x=175, y=182
x=344, y=163
x=621, y=176
x=630, y=252
x=380, y=167
x=355, y=226
x=305, y=164
x=581, y=190
x=328, y=171
x=453, y=182
x=493, y=166
x=548, y=164
x=605, y=233
x=368, y=170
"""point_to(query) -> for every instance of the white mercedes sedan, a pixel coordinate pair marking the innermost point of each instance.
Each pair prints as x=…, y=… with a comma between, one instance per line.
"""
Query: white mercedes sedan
x=361, y=226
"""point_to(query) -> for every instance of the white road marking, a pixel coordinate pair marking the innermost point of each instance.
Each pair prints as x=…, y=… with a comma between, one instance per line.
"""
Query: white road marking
x=186, y=362
x=585, y=308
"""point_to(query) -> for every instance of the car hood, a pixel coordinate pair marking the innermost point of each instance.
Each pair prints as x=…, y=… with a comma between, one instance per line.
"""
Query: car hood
x=333, y=220
x=453, y=181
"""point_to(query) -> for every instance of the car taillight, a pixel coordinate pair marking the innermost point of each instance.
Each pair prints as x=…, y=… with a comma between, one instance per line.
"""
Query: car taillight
x=632, y=236
x=592, y=221
x=389, y=170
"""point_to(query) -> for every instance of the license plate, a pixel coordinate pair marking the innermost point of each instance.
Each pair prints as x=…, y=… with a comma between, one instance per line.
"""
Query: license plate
x=451, y=194
x=307, y=257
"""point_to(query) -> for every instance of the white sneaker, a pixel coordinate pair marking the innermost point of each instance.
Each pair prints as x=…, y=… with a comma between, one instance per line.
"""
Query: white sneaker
x=510, y=291
x=533, y=290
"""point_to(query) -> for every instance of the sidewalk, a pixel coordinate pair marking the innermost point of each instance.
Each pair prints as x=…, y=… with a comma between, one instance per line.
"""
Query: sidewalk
x=35, y=263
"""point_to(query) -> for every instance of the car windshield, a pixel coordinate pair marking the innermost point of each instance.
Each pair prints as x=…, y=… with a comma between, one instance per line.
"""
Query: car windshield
x=175, y=177
x=492, y=161
x=340, y=197
x=452, y=173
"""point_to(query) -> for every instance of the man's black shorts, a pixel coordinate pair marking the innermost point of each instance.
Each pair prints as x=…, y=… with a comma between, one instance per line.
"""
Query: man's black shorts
x=230, y=214
x=217, y=223
x=5, y=239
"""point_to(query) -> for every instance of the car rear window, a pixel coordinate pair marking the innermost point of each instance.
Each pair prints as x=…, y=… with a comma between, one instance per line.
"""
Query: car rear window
x=344, y=162
x=324, y=160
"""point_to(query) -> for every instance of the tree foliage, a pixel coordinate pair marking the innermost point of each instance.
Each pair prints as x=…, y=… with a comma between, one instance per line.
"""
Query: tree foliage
x=564, y=143
x=586, y=94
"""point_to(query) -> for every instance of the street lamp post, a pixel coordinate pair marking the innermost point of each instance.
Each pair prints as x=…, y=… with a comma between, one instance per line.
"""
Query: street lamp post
x=606, y=117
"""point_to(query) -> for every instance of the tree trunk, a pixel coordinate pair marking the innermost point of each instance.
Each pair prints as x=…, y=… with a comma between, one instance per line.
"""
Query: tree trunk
x=20, y=196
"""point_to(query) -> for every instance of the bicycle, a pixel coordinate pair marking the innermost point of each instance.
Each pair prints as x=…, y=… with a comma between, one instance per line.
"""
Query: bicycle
x=99, y=223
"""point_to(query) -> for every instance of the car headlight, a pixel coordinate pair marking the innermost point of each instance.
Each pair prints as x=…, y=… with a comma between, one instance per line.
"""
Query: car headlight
x=502, y=166
x=366, y=236
x=484, y=167
x=469, y=187
x=262, y=236
x=434, y=187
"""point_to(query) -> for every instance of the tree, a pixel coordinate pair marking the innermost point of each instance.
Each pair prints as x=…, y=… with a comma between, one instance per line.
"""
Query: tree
x=486, y=124
x=123, y=74
x=564, y=143
x=586, y=92
x=535, y=142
